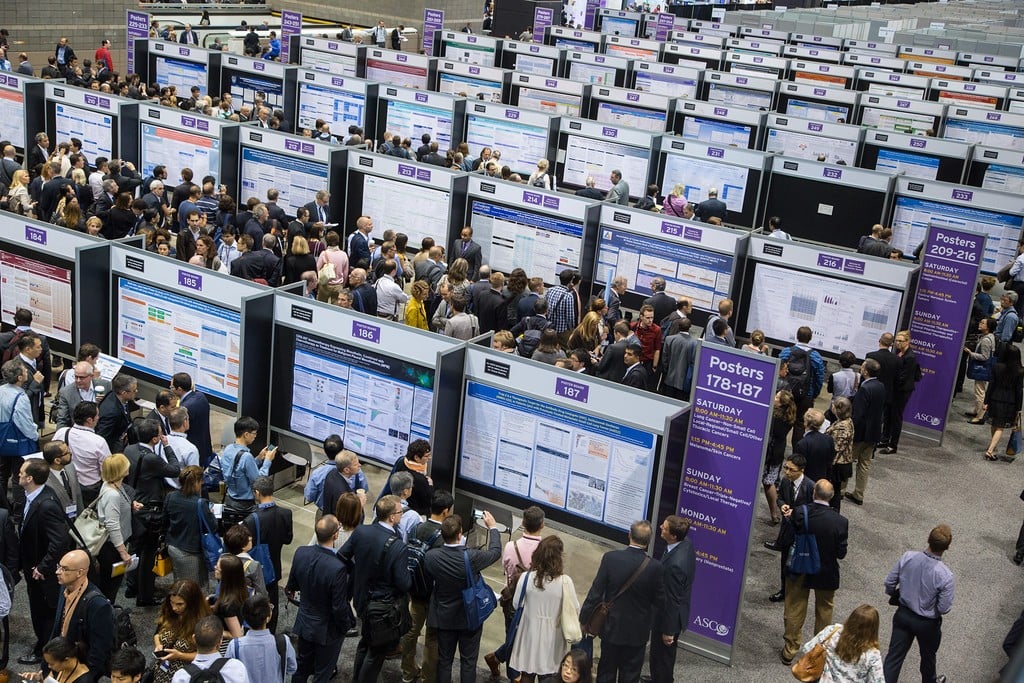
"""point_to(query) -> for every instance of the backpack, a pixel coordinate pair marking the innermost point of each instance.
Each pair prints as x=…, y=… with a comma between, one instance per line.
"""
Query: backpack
x=416, y=548
x=539, y=181
x=11, y=351
x=210, y=675
x=1018, y=334
x=798, y=377
x=530, y=339
x=327, y=272
x=124, y=630
x=508, y=593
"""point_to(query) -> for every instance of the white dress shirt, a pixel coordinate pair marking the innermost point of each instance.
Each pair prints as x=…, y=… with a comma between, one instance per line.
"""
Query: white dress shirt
x=88, y=451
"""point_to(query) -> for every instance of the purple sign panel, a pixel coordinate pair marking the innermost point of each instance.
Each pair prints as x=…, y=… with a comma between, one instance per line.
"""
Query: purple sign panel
x=666, y=22
x=542, y=18
x=366, y=332
x=137, y=25
x=950, y=264
x=291, y=24
x=590, y=14
x=433, y=20
x=729, y=423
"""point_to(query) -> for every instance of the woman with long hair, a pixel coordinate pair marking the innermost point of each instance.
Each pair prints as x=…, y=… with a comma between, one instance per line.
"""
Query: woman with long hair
x=180, y=611
x=841, y=431
x=457, y=278
x=206, y=255
x=675, y=201
x=539, y=645
x=71, y=217
x=587, y=334
x=548, y=351
x=1003, y=396
x=232, y=592
x=783, y=417
x=122, y=218
x=182, y=531
x=114, y=509
x=851, y=649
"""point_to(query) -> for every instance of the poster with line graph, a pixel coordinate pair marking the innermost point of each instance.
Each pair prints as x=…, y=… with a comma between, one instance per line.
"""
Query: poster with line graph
x=844, y=315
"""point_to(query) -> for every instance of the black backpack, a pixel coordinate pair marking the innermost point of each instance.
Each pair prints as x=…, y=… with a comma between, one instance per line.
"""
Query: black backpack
x=11, y=351
x=798, y=377
x=532, y=335
x=416, y=548
x=124, y=630
x=209, y=675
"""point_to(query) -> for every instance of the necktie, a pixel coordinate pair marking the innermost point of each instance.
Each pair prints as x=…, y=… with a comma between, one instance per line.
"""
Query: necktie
x=465, y=246
x=67, y=484
x=323, y=214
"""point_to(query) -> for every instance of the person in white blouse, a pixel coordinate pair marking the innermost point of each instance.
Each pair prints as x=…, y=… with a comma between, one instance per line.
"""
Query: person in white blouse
x=389, y=293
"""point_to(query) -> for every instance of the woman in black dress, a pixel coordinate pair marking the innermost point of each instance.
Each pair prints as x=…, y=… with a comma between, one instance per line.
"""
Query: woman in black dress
x=1004, y=394
x=783, y=417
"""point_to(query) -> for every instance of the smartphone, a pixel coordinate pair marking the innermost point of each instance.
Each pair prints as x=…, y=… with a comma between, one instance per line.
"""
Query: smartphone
x=478, y=514
x=271, y=448
x=160, y=653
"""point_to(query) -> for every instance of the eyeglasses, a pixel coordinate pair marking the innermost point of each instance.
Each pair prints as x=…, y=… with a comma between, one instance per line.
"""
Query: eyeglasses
x=63, y=569
x=791, y=468
x=83, y=376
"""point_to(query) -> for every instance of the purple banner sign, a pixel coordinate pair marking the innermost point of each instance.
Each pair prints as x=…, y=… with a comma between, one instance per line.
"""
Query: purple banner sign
x=366, y=332
x=291, y=24
x=433, y=20
x=542, y=18
x=732, y=408
x=590, y=14
x=950, y=265
x=137, y=26
x=666, y=22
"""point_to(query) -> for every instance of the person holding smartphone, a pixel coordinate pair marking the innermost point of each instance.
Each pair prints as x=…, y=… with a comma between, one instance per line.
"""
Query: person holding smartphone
x=241, y=469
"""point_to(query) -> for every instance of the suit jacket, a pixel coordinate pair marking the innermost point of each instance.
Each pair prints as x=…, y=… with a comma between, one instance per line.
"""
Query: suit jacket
x=275, y=531
x=148, y=470
x=619, y=194
x=677, y=355
x=50, y=196
x=679, y=567
x=189, y=37
x=164, y=424
x=709, y=208
x=635, y=376
x=322, y=577
x=314, y=213
x=663, y=305
x=631, y=617
x=794, y=497
x=92, y=623
x=889, y=364
x=868, y=408
x=820, y=451
x=67, y=399
x=473, y=254
x=492, y=310
x=908, y=375
x=114, y=423
x=199, y=424
x=590, y=193
x=44, y=535
x=56, y=484
x=364, y=299
x=830, y=530
x=35, y=390
x=334, y=486
x=36, y=156
x=185, y=247
x=373, y=573
x=447, y=566
x=276, y=213
x=612, y=366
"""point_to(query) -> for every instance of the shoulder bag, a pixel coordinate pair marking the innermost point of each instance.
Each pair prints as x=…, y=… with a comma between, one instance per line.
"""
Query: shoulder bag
x=810, y=667
x=508, y=593
x=386, y=616
x=12, y=442
x=88, y=530
x=595, y=624
x=210, y=542
x=477, y=597
x=505, y=650
x=803, y=554
x=261, y=553
x=571, y=629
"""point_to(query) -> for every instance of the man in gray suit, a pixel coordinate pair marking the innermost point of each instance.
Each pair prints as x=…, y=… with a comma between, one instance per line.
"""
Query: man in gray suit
x=86, y=387
x=619, y=194
x=63, y=479
x=677, y=356
x=461, y=325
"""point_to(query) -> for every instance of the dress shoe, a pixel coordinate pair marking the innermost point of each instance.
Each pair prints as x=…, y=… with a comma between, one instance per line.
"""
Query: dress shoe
x=888, y=450
x=352, y=632
x=129, y=593
x=772, y=545
x=493, y=664
x=788, y=661
x=853, y=499
x=882, y=444
x=940, y=679
x=970, y=414
x=31, y=659
x=777, y=597
x=1018, y=557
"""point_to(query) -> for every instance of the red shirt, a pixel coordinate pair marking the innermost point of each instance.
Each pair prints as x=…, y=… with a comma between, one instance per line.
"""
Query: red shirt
x=103, y=55
x=650, y=339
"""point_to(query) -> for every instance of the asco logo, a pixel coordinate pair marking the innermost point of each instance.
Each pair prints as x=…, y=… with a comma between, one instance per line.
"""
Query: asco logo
x=711, y=625
x=927, y=419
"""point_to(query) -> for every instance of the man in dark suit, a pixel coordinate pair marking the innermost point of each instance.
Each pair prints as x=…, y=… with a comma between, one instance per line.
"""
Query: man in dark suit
x=680, y=564
x=868, y=410
x=52, y=192
x=63, y=480
x=630, y=621
x=378, y=554
x=794, y=489
x=888, y=366
x=65, y=54
x=198, y=414
x=830, y=532
x=424, y=149
x=114, y=412
x=433, y=157
x=146, y=475
x=324, y=615
x=182, y=190
x=613, y=365
x=272, y=525
x=274, y=210
x=636, y=374
x=44, y=539
x=590, y=191
x=662, y=303
x=818, y=449
x=466, y=248
x=318, y=208
x=712, y=207
x=188, y=36
x=39, y=154
x=447, y=611
x=165, y=402
x=492, y=306
x=907, y=377
x=92, y=617
x=30, y=352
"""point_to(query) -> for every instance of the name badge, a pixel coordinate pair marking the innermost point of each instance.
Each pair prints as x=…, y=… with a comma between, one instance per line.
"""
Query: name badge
x=71, y=511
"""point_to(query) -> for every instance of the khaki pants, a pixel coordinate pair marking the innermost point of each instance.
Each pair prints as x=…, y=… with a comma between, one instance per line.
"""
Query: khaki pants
x=428, y=672
x=795, y=613
x=863, y=452
x=980, y=387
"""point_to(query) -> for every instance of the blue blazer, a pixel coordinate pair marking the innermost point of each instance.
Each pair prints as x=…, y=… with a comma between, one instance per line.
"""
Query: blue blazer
x=199, y=424
x=324, y=614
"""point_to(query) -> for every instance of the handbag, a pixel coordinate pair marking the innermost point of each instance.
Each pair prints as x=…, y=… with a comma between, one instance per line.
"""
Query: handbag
x=571, y=629
x=595, y=624
x=12, y=442
x=89, y=530
x=810, y=667
x=210, y=542
x=803, y=554
x=981, y=370
x=1013, y=446
x=505, y=650
x=162, y=565
x=261, y=553
x=386, y=618
x=477, y=597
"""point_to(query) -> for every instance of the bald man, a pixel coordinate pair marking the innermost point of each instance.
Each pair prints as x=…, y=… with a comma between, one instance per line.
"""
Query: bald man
x=91, y=620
